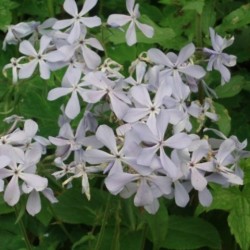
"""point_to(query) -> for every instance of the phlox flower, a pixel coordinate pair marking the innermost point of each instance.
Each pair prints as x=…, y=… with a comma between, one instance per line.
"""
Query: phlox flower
x=41, y=58
x=78, y=19
x=72, y=85
x=102, y=86
x=147, y=188
x=153, y=137
x=15, y=66
x=115, y=20
x=20, y=171
x=177, y=67
x=17, y=32
x=219, y=60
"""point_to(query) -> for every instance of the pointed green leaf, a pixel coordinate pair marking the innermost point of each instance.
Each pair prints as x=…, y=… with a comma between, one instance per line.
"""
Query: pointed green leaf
x=224, y=121
x=231, y=88
x=191, y=233
x=239, y=222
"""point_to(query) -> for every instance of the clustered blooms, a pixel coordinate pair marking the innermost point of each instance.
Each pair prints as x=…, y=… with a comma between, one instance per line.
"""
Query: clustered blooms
x=151, y=150
x=20, y=152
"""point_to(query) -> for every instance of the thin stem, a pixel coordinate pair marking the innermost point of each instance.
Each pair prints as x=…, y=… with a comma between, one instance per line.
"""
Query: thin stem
x=198, y=27
x=116, y=237
x=61, y=225
x=131, y=215
x=144, y=236
x=104, y=220
x=23, y=230
x=50, y=4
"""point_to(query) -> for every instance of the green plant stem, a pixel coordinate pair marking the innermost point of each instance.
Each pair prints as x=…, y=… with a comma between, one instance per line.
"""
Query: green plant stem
x=144, y=236
x=131, y=215
x=23, y=230
x=198, y=27
x=104, y=220
x=61, y=225
x=116, y=237
x=50, y=4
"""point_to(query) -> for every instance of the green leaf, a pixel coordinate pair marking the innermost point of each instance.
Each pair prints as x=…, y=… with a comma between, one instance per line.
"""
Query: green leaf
x=231, y=88
x=239, y=222
x=208, y=16
x=223, y=199
x=4, y=208
x=158, y=225
x=121, y=54
x=132, y=240
x=83, y=240
x=10, y=236
x=5, y=13
x=74, y=208
x=191, y=233
x=224, y=122
x=236, y=19
x=197, y=5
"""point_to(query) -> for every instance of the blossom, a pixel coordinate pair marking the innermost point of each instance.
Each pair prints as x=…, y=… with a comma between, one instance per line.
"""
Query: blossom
x=17, y=32
x=153, y=137
x=18, y=172
x=102, y=86
x=176, y=66
x=219, y=60
x=72, y=85
x=41, y=57
x=115, y=20
x=78, y=19
x=15, y=66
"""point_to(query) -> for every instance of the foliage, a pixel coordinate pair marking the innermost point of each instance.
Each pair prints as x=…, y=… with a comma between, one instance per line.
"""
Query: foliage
x=110, y=222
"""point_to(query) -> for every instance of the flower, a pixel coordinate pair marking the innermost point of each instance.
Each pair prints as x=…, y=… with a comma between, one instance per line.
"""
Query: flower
x=176, y=66
x=78, y=19
x=115, y=20
x=219, y=60
x=41, y=57
x=15, y=66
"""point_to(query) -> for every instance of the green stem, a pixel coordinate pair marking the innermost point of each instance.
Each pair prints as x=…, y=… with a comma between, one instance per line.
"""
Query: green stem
x=116, y=238
x=144, y=236
x=198, y=27
x=104, y=220
x=23, y=230
x=61, y=225
x=131, y=215
x=50, y=4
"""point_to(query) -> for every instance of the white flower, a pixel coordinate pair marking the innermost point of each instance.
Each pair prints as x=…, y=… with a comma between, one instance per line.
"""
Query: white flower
x=41, y=57
x=15, y=66
x=115, y=20
x=219, y=60
x=78, y=19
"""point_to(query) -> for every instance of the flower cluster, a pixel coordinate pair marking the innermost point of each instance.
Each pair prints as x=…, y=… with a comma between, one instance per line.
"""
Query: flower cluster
x=152, y=149
x=20, y=151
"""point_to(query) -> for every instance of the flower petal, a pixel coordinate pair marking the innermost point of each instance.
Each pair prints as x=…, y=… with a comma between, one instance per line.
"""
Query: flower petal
x=27, y=69
x=70, y=7
x=88, y=5
x=27, y=48
x=115, y=20
x=37, y=182
x=181, y=195
x=131, y=34
x=58, y=92
x=12, y=191
x=147, y=30
x=103, y=132
x=158, y=57
x=185, y=53
x=33, y=205
x=73, y=106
